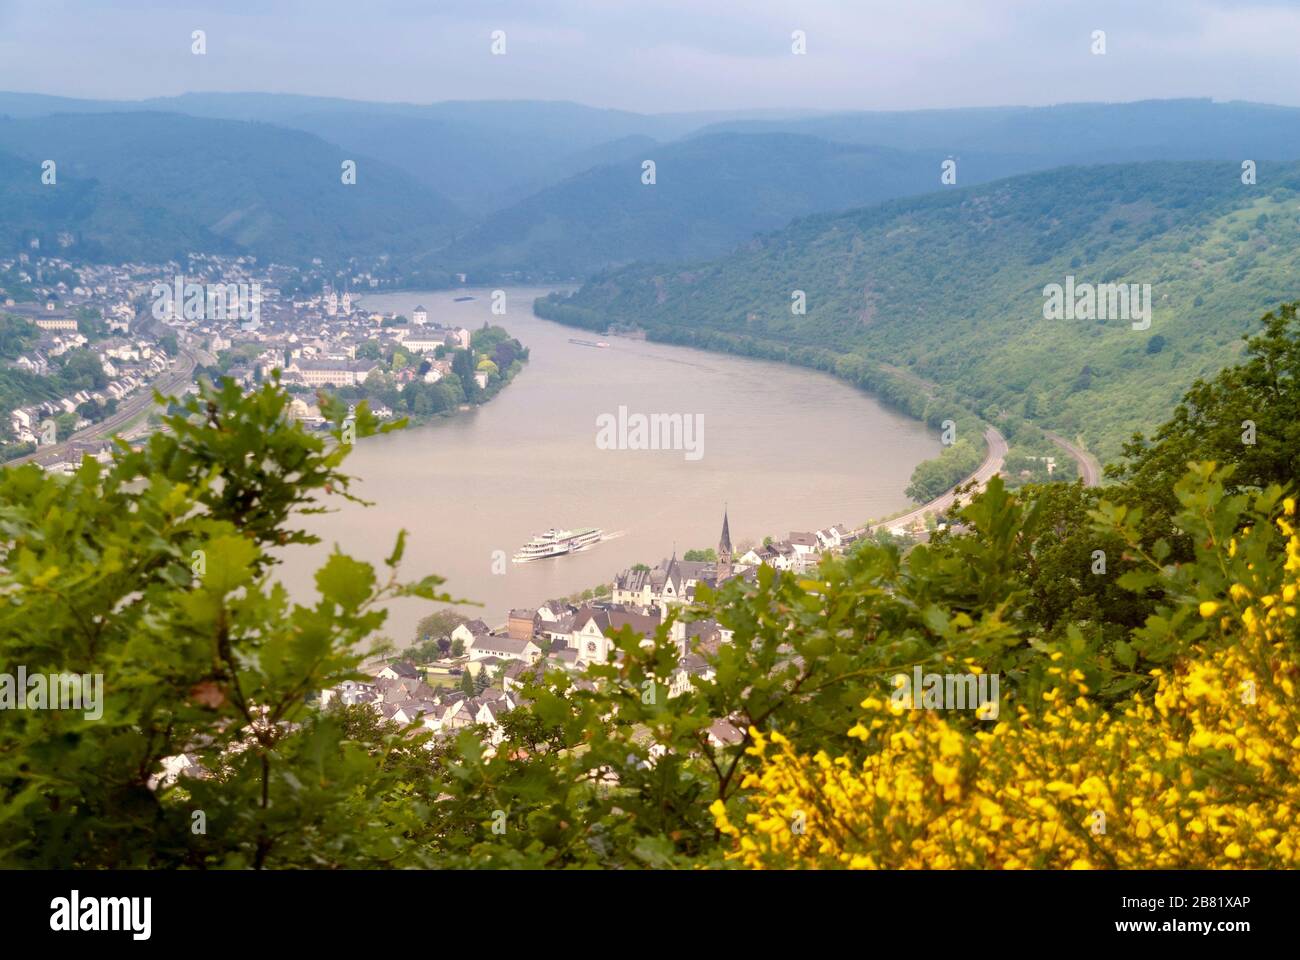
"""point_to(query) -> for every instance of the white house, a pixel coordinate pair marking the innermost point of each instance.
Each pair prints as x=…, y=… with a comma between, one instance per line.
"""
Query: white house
x=426, y=341
x=552, y=610
x=504, y=648
x=834, y=537
x=593, y=625
x=803, y=543
x=456, y=714
x=470, y=631
x=415, y=711
x=690, y=666
x=779, y=555
x=489, y=714
x=399, y=670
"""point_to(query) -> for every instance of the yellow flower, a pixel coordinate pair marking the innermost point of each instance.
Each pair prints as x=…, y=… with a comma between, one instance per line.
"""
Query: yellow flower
x=934, y=795
x=943, y=773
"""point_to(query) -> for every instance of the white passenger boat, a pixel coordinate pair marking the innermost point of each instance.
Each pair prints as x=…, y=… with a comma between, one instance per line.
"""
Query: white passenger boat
x=556, y=543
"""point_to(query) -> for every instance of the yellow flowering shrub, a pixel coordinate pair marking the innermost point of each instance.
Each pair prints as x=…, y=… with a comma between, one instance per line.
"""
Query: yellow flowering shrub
x=1204, y=772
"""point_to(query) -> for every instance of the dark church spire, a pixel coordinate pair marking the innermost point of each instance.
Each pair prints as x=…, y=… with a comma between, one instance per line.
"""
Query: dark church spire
x=724, y=550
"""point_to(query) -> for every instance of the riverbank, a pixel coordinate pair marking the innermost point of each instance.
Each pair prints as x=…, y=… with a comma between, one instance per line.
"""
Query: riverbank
x=473, y=488
x=427, y=386
x=898, y=388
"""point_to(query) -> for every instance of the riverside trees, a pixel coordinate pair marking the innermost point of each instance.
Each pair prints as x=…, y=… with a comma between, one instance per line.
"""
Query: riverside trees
x=1106, y=619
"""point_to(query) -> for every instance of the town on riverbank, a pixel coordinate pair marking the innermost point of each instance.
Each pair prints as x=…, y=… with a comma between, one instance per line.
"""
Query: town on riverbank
x=84, y=347
x=229, y=318
x=462, y=673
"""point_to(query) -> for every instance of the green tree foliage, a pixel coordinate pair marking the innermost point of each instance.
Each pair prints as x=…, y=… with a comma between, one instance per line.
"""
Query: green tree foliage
x=438, y=624
x=17, y=336
x=155, y=571
x=934, y=477
x=431, y=636
x=81, y=370
x=462, y=365
x=495, y=352
x=1248, y=416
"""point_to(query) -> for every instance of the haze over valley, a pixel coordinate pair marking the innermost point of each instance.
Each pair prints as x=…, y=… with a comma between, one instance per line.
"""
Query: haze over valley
x=607, y=438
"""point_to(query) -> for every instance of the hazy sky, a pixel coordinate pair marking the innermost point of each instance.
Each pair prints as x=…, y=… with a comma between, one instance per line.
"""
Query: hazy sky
x=662, y=55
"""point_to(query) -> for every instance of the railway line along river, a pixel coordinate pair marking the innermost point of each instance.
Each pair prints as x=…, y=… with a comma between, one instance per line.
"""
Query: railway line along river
x=782, y=447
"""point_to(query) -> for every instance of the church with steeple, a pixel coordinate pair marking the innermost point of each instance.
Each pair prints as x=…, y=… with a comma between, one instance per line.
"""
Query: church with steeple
x=673, y=580
x=724, y=550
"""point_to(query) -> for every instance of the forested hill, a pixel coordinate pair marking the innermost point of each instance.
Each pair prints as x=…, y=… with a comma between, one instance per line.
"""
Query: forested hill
x=724, y=182
x=951, y=287
x=709, y=195
x=156, y=185
x=106, y=222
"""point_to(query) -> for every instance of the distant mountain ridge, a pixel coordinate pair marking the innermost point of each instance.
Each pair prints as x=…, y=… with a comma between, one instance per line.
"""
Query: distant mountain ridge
x=1071, y=133
x=482, y=155
x=710, y=194
x=509, y=190
x=578, y=226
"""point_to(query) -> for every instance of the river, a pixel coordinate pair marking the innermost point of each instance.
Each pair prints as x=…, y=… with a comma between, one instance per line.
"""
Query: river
x=784, y=448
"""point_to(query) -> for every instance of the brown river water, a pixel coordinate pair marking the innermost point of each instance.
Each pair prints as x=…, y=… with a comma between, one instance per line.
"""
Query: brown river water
x=783, y=448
